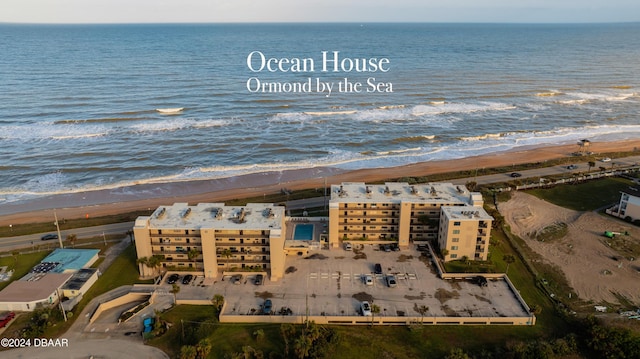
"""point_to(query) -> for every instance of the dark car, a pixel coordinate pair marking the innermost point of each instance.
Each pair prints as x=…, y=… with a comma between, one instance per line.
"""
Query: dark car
x=377, y=268
x=387, y=248
x=48, y=237
x=173, y=278
x=267, y=306
x=395, y=247
x=516, y=175
x=259, y=279
x=187, y=279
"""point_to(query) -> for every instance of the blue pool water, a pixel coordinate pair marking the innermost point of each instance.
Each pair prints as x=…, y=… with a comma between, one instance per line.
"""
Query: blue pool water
x=303, y=232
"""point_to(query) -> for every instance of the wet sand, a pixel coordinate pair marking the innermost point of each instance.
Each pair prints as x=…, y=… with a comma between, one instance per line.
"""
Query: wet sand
x=150, y=196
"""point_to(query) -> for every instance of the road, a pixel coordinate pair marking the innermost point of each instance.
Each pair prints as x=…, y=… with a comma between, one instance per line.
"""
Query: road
x=11, y=243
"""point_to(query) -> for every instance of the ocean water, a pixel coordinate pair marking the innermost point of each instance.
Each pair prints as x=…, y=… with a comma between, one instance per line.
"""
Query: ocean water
x=78, y=103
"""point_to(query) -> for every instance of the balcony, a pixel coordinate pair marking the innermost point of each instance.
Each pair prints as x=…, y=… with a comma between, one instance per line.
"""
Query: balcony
x=244, y=235
x=239, y=244
x=246, y=260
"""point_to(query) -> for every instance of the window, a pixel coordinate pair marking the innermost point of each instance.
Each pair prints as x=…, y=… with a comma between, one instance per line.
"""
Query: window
x=453, y=256
x=455, y=240
x=456, y=231
x=456, y=223
x=454, y=248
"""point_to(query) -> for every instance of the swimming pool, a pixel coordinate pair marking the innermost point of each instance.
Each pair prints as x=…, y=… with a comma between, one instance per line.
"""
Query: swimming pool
x=303, y=232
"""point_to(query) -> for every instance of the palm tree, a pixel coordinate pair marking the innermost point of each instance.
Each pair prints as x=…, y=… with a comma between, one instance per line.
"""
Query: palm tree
x=423, y=310
x=375, y=309
x=508, y=258
x=302, y=346
x=188, y=352
x=288, y=331
x=193, y=254
x=203, y=348
x=72, y=238
x=175, y=289
x=591, y=164
x=218, y=302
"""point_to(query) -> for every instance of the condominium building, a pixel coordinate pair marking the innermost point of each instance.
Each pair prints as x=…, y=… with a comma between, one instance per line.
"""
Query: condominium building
x=212, y=238
x=464, y=231
x=629, y=205
x=396, y=212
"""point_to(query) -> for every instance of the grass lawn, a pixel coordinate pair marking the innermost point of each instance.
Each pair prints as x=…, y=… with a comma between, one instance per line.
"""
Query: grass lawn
x=21, y=264
x=586, y=196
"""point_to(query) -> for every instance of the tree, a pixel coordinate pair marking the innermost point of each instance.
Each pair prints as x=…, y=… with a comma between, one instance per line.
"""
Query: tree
x=203, y=348
x=288, y=331
x=259, y=334
x=602, y=169
x=175, y=290
x=193, y=254
x=72, y=238
x=218, y=302
x=508, y=258
x=375, y=309
x=188, y=352
x=591, y=164
x=457, y=353
x=465, y=260
x=15, y=255
x=423, y=310
x=302, y=346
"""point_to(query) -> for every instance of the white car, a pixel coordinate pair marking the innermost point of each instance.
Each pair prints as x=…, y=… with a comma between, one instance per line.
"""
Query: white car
x=365, y=309
x=368, y=279
x=391, y=281
x=606, y=159
x=347, y=246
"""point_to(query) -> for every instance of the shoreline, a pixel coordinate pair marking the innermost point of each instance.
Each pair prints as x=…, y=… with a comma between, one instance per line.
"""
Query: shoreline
x=149, y=196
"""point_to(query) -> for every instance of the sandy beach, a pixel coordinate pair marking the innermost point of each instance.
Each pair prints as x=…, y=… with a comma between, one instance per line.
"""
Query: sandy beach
x=149, y=196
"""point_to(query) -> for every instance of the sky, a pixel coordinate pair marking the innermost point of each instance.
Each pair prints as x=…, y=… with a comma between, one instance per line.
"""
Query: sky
x=216, y=11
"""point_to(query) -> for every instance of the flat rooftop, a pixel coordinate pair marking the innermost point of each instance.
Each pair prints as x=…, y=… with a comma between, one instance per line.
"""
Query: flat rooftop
x=466, y=213
x=79, y=278
x=397, y=192
x=71, y=259
x=33, y=288
x=216, y=215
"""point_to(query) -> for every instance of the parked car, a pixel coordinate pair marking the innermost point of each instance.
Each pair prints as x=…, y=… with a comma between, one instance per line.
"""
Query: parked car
x=377, y=268
x=572, y=167
x=365, y=309
x=391, y=281
x=348, y=247
x=187, y=279
x=48, y=237
x=395, y=247
x=173, y=278
x=606, y=159
x=368, y=279
x=267, y=306
x=259, y=279
x=387, y=248
x=6, y=319
x=516, y=175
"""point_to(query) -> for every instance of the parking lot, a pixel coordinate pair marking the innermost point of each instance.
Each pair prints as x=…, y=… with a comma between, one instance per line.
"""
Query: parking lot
x=331, y=283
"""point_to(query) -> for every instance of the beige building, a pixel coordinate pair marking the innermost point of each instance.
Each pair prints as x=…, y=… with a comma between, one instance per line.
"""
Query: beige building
x=464, y=231
x=399, y=212
x=629, y=205
x=211, y=238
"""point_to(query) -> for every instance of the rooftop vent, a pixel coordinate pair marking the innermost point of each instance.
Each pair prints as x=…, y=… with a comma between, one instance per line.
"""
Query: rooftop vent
x=218, y=214
x=433, y=191
x=186, y=213
x=386, y=190
x=459, y=189
x=368, y=190
x=413, y=190
x=342, y=192
x=269, y=213
x=161, y=213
